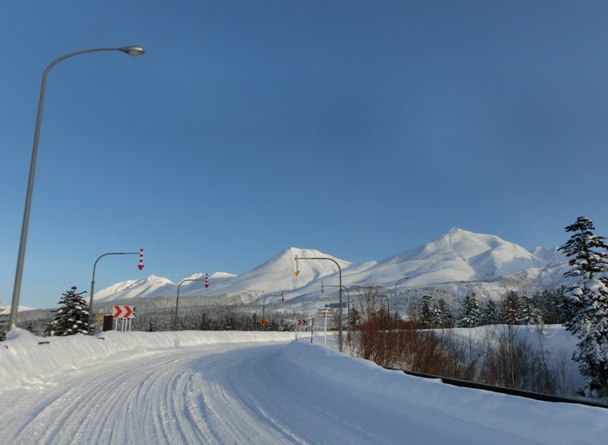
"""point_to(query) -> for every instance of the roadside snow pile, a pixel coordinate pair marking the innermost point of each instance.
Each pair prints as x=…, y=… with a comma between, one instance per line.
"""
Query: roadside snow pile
x=25, y=358
x=500, y=413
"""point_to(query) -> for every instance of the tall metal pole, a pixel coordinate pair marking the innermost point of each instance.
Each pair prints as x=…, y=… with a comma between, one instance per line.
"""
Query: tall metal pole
x=399, y=281
x=177, y=299
x=347, y=308
x=339, y=292
x=264, y=304
x=134, y=51
x=93, y=284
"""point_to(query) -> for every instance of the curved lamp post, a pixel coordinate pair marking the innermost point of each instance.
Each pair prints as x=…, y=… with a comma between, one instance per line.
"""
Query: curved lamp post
x=282, y=295
x=177, y=299
x=296, y=273
x=91, y=330
x=134, y=51
x=399, y=281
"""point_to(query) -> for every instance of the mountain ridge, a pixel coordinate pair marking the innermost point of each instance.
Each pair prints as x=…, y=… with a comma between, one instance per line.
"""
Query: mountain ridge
x=456, y=256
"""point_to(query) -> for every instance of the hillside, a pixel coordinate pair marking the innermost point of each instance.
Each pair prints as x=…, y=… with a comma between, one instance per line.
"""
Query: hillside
x=458, y=259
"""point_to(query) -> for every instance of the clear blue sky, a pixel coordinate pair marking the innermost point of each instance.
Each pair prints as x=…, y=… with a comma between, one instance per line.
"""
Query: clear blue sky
x=358, y=128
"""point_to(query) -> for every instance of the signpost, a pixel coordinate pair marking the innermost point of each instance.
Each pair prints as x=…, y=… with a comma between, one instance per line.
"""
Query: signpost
x=325, y=312
x=126, y=313
x=100, y=322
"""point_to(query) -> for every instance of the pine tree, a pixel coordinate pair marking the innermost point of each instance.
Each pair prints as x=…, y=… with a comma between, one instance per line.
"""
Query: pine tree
x=72, y=317
x=549, y=303
x=446, y=319
x=471, y=314
x=510, y=308
x=489, y=314
x=586, y=302
x=528, y=312
x=428, y=314
x=3, y=324
x=354, y=319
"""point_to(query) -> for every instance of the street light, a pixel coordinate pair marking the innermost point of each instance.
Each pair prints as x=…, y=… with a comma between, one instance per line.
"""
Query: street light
x=399, y=281
x=297, y=272
x=177, y=299
x=282, y=295
x=140, y=253
x=134, y=51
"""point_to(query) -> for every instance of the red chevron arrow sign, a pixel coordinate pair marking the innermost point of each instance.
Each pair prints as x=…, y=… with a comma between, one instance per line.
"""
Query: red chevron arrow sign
x=123, y=312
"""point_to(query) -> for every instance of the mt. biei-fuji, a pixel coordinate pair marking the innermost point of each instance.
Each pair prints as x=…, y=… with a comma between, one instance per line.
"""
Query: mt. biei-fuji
x=459, y=260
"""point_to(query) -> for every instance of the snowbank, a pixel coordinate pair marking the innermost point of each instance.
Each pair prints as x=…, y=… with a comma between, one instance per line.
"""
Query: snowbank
x=27, y=359
x=575, y=424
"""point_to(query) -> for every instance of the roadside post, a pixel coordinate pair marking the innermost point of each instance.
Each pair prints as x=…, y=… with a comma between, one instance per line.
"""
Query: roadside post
x=325, y=312
x=126, y=314
x=100, y=322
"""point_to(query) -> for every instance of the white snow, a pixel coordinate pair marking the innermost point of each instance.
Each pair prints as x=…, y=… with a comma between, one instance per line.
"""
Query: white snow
x=251, y=387
x=456, y=256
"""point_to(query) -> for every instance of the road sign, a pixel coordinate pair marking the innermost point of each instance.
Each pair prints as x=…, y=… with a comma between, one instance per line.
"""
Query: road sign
x=326, y=312
x=123, y=312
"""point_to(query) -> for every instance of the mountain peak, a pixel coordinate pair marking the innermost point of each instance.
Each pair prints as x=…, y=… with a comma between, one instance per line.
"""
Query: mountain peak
x=456, y=256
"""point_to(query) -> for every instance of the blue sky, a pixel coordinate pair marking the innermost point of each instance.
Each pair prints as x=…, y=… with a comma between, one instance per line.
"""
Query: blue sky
x=358, y=128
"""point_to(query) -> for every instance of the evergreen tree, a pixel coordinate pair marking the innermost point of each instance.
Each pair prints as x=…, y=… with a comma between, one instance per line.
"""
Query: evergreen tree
x=396, y=319
x=549, y=303
x=72, y=317
x=489, y=313
x=471, y=314
x=510, y=308
x=3, y=324
x=527, y=312
x=446, y=319
x=428, y=315
x=354, y=319
x=586, y=301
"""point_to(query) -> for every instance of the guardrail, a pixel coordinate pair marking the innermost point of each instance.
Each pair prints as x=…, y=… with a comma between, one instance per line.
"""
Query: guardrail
x=504, y=390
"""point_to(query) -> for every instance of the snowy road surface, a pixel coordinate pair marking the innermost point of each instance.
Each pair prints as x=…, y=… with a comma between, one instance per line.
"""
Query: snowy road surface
x=272, y=393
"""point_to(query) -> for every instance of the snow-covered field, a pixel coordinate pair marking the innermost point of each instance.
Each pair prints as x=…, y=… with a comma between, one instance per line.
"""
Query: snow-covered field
x=250, y=387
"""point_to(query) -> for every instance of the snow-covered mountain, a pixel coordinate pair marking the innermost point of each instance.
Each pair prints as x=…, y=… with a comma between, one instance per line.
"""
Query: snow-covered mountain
x=457, y=256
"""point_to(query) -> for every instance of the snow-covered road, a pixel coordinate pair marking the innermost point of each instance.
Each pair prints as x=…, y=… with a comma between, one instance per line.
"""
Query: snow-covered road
x=269, y=393
x=213, y=394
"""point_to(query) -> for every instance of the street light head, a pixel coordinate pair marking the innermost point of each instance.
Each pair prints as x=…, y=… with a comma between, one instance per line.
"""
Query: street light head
x=134, y=51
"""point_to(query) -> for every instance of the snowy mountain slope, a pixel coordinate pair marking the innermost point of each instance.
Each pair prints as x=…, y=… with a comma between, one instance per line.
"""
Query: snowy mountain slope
x=458, y=255
x=277, y=274
x=455, y=257
x=152, y=286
